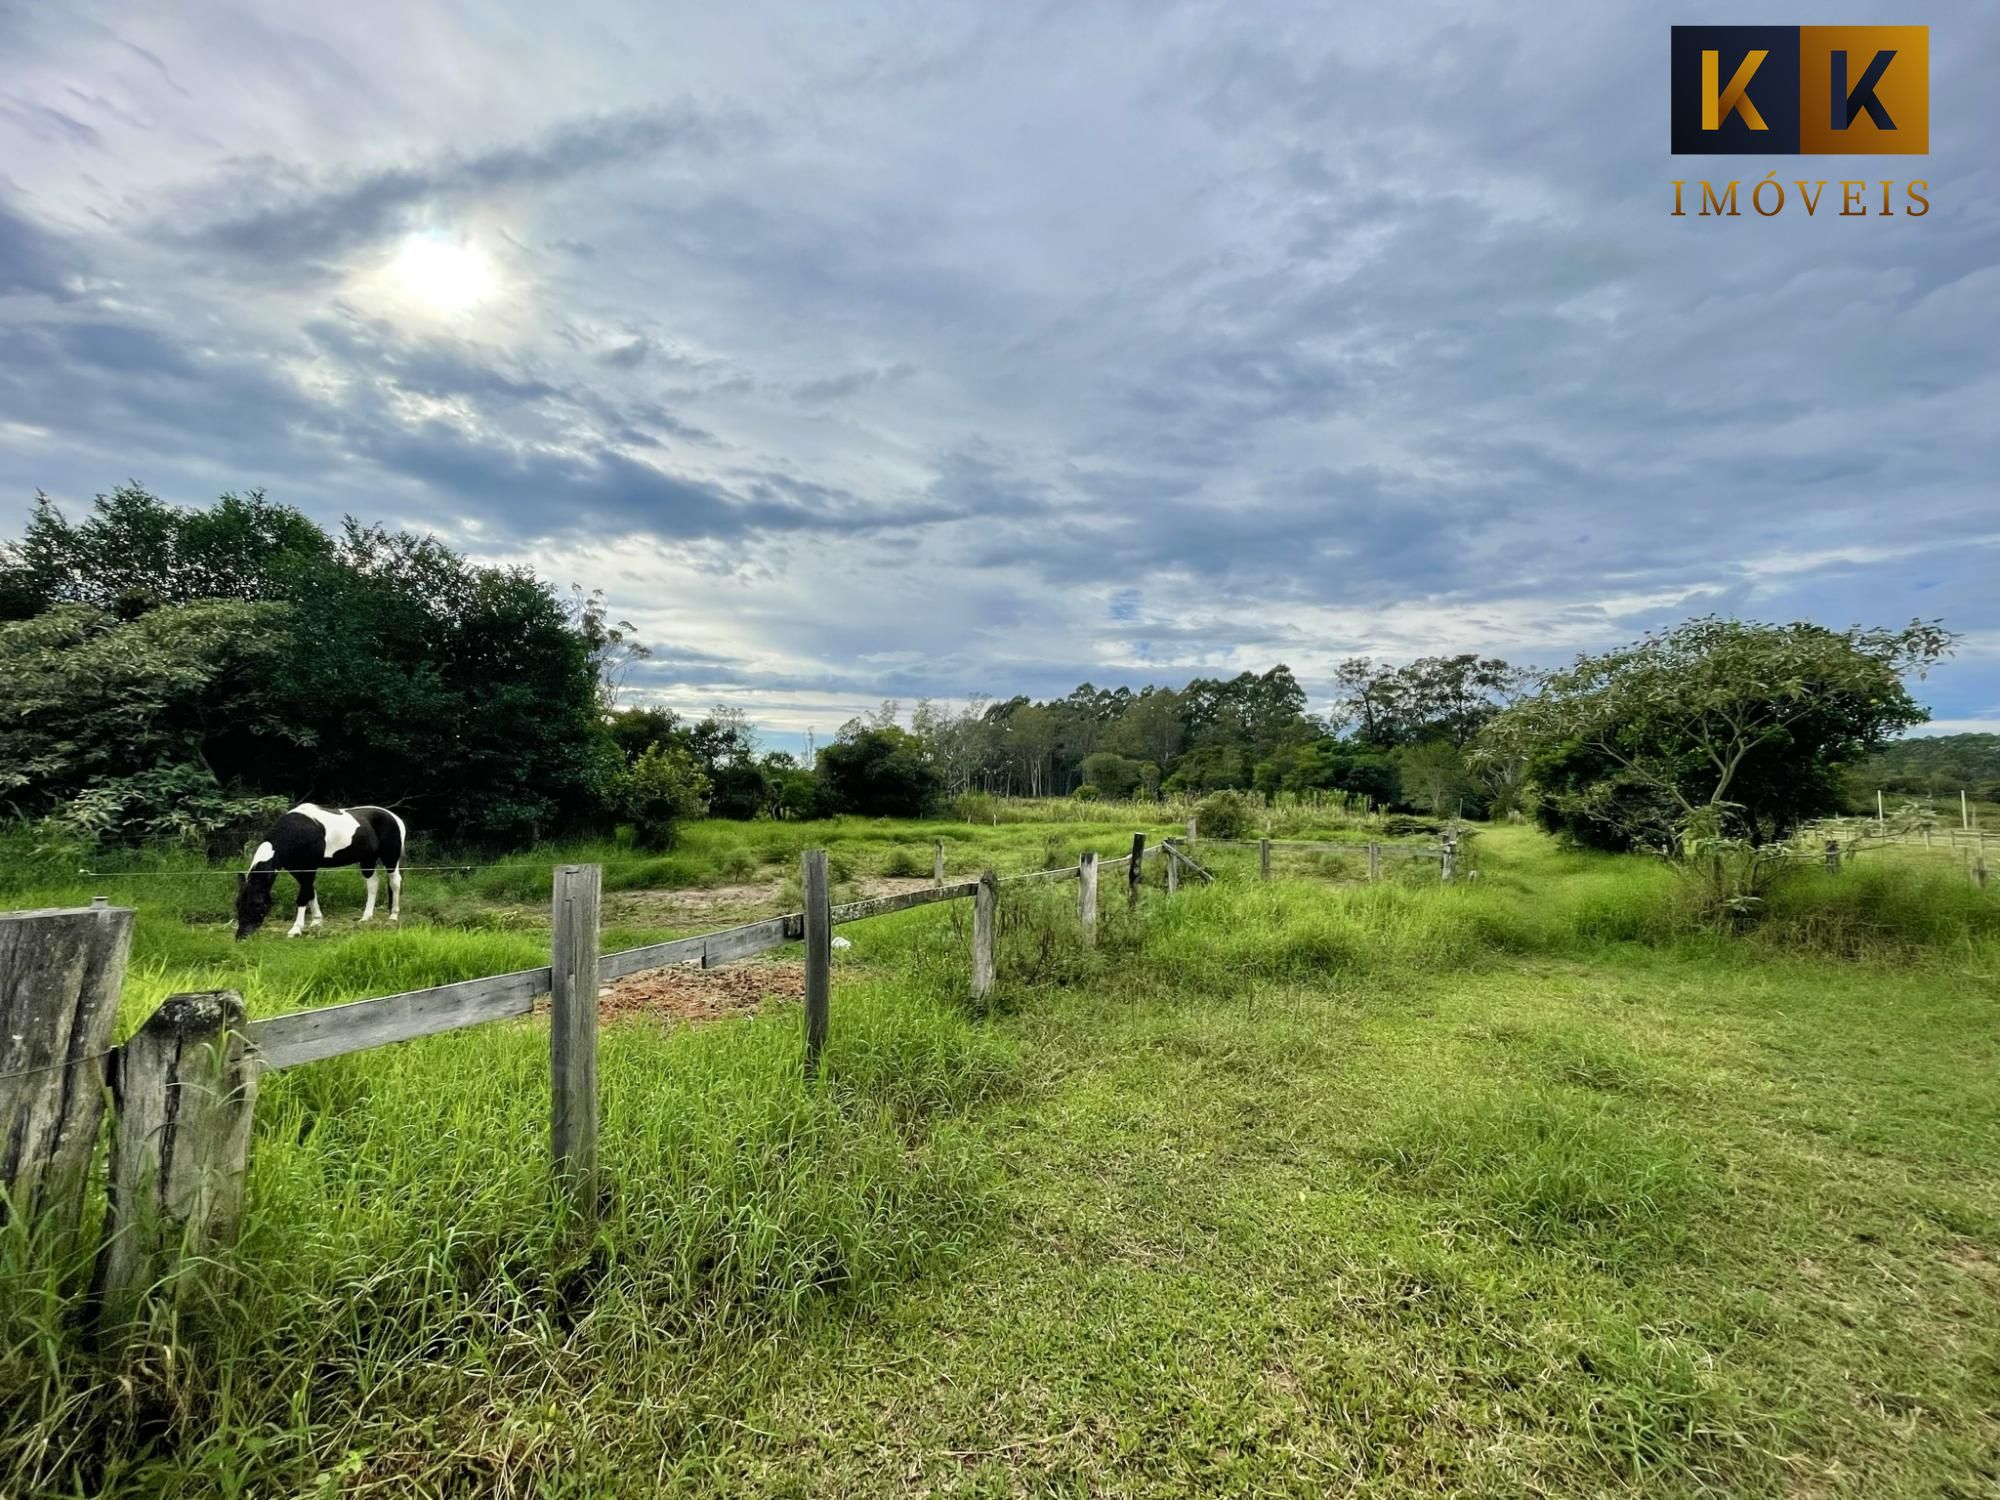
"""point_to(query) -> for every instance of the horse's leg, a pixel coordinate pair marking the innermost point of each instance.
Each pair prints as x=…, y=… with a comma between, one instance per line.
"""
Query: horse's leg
x=396, y=893
x=308, y=902
x=368, y=910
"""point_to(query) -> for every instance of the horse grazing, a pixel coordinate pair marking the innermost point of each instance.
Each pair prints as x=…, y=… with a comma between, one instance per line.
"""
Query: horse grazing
x=309, y=839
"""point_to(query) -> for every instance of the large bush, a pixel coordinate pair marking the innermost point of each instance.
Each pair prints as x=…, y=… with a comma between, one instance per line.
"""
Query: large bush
x=1224, y=815
x=659, y=791
x=879, y=773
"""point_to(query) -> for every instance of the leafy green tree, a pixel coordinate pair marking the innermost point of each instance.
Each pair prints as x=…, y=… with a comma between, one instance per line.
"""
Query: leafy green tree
x=1737, y=724
x=116, y=722
x=398, y=672
x=1432, y=698
x=659, y=791
x=1112, y=775
x=879, y=773
x=1432, y=775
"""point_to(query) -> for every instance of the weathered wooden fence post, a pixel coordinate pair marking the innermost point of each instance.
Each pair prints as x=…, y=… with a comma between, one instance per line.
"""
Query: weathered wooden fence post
x=1192, y=835
x=937, y=864
x=185, y=1088
x=1833, y=856
x=1264, y=858
x=1374, y=860
x=1979, y=871
x=573, y=1031
x=985, y=919
x=1086, y=896
x=1173, y=866
x=819, y=951
x=1135, y=870
x=60, y=975
x=1448, y=858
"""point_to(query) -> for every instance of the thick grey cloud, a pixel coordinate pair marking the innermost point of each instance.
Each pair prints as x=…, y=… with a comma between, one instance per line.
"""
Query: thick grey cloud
x=862, y=351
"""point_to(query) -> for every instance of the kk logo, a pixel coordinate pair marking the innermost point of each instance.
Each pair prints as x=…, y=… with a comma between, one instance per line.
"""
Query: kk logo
x=1811, y=90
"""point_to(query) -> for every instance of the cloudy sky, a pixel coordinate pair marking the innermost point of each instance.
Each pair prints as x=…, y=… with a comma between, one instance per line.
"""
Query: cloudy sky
x=928, y=348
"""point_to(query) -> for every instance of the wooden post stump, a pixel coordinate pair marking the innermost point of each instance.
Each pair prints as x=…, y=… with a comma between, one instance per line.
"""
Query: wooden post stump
x=1448, y=858
x=985, y=922
x=61, y=972
x=1833, y=856
x=185, y=1088
x=1086, y=897
x=1979, y=871
x=1191, y=830
x=573, y=1032
x=1374, y=860
x=1135, y=870
x=1173, y=866
x=1264, y=858
x=937, y=864
x=819, y=951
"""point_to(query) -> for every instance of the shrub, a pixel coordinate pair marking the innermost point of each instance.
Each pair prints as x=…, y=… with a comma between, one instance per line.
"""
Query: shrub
x=1223, y=815
x=1087, y=793
x=660, y=790
x=905, y=861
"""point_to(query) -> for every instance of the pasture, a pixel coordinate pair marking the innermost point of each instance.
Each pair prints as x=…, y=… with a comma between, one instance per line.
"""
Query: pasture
x=1304, y=1187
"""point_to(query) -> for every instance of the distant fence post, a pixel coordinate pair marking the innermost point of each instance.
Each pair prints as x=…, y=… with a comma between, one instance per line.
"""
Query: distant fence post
x=185, y=1088
x=1135, y=870
x=573, y=1031
x=1173, y=866
x=985, y=918
x=60, y=975
x=1086, y=896
x=819, y=951
x=1374, y=860
x=1833, y=856
x=1192, y=835
x=1264, y=858
x=937, y=864
x=1448, y=857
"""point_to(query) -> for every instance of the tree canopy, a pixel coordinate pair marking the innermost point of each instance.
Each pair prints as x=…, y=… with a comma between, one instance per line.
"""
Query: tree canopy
x=1714, y=718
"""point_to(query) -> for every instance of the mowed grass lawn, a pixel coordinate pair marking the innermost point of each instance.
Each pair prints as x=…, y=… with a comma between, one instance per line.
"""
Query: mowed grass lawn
x=1295, y=1189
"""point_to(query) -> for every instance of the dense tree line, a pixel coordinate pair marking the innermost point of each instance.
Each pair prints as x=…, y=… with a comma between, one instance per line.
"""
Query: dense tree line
x=1935, y=766
x=170, y=672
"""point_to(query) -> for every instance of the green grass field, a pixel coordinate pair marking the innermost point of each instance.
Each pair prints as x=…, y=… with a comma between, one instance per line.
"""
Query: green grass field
x=1308, y=1188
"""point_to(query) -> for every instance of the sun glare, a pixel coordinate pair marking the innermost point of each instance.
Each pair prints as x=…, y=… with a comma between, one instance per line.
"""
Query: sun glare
x=442, y=275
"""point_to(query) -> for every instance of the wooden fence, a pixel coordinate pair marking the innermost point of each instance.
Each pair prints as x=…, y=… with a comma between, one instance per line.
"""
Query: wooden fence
x=182, y=1090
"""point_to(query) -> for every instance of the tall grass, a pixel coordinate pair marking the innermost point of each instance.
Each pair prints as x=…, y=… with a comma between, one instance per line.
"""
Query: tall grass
x=411, y=1310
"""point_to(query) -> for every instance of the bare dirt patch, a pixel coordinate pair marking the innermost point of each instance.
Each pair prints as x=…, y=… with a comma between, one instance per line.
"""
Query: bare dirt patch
x=718, y=906
x=691, y=907
x=695, y=995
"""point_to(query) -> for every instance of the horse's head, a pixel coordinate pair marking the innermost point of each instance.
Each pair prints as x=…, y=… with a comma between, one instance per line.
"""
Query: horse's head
x=253, y=901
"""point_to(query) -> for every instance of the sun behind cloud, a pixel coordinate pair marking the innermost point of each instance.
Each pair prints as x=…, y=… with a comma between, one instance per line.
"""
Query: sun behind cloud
x=436, y=275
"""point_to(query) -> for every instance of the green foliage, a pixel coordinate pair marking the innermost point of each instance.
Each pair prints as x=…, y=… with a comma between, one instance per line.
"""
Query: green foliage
x=243, y=640
x=1432, y=776
x=1446, y=698
x=1749, y=718
x=879, y=773
x=1927, y=766
x=1088, y=793
x=1109, y=774
x=659, y=791
x=102, y=717
x=1224, y=815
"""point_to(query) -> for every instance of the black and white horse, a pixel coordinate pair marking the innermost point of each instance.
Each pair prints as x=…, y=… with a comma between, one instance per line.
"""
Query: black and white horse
x=309, y=839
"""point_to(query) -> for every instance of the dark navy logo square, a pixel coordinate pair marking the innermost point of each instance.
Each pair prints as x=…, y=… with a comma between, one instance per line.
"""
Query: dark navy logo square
x=1730, y=101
